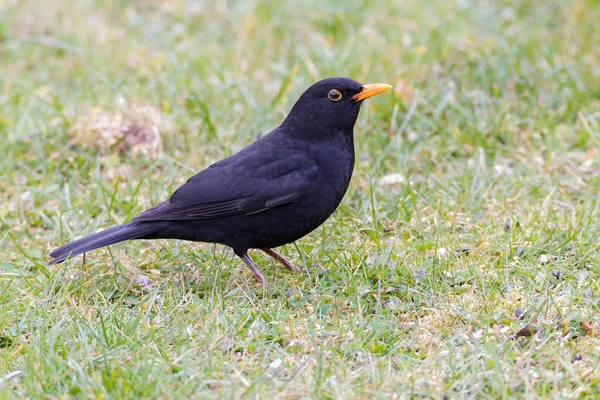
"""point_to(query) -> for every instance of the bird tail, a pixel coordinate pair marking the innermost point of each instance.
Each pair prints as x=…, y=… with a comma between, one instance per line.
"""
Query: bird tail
x=105, y=238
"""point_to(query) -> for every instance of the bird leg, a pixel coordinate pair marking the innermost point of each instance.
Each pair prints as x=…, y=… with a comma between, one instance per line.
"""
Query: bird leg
x=250, y=264
x=281, y=260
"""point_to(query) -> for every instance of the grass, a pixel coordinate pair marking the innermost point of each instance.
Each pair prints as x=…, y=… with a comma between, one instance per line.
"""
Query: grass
x=471, y=271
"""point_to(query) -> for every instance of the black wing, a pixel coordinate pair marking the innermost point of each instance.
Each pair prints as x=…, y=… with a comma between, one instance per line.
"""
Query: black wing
x=252, y=181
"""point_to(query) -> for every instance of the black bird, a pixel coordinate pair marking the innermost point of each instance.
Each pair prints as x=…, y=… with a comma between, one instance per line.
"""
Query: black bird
x=273, y=192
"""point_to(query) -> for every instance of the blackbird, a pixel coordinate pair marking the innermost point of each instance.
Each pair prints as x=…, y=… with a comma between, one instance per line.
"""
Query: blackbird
x=273, y=192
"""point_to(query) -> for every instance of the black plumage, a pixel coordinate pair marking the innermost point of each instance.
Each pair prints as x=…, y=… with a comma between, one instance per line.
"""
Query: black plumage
x=273, y=192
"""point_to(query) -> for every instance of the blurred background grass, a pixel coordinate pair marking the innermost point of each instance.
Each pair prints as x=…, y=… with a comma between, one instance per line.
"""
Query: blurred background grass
x=483, y=231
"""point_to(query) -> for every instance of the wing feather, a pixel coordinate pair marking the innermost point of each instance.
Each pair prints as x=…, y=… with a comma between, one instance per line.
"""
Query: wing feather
x=237, y=185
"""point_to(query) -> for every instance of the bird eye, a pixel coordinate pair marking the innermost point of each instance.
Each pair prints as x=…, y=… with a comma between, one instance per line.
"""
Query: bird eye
x=334, y=95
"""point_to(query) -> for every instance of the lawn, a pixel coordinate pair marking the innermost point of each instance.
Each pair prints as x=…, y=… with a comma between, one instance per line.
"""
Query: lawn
x=462, y=263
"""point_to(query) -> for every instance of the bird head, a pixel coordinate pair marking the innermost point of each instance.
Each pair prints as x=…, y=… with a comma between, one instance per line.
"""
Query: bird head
x=331, y=103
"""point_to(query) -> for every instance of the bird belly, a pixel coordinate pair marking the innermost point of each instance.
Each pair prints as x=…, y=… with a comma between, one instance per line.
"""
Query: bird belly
x=282, y=225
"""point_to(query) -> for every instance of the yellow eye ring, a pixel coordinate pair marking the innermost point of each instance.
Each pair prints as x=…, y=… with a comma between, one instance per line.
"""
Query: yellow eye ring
x=334, y=95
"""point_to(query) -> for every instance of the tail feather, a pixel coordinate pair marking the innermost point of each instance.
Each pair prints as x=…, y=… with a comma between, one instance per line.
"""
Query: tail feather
x=101, y=239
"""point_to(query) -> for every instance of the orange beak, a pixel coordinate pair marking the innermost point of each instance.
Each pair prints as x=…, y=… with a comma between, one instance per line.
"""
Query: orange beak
x=371, y=90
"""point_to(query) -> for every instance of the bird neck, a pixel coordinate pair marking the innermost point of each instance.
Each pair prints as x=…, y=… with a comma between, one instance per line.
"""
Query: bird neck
x=315, y=131
x=342, y=138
